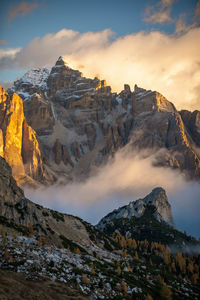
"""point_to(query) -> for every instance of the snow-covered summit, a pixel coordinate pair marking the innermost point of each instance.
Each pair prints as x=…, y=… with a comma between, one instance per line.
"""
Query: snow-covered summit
x=36, y=77
x=31, y=83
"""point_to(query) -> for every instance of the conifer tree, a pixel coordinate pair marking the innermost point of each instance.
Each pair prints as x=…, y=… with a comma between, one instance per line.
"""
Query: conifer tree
x=148, y=297
x=165, y=292
x=123, y=287
x=119, y=271
x=85, y=279
x=31, y=230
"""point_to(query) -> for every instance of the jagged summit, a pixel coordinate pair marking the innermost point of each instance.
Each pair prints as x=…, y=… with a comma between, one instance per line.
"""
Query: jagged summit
x=35, y=77
x=157, y=198
x=81, y=122
x=61, y=61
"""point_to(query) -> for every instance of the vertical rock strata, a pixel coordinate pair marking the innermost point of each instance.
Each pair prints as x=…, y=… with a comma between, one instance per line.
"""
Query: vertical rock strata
x=18, y=142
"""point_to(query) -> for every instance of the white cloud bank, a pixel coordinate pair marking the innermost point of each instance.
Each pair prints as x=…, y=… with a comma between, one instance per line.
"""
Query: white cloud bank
x=169, y=64
x=126, y=178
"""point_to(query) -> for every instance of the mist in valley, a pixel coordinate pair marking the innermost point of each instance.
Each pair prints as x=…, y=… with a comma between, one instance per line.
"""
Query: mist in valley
x=125, y=178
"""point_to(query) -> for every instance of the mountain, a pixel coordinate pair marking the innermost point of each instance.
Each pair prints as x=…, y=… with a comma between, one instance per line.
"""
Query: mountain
x=80, y=123
x=45, y=254
x=157, y=198
x=18, y=214
x=52, y=252
x=148, y=219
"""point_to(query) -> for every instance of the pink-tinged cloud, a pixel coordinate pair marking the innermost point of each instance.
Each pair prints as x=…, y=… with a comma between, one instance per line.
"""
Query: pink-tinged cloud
x=3, y=42
x=160, y=13
x=21, y=9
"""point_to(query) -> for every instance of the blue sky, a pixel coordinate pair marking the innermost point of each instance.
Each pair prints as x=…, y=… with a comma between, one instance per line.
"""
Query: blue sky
x=154, y=43
x=121, y=16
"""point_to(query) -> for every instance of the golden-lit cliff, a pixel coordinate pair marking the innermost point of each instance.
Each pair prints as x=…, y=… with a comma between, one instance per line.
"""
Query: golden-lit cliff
x=18, y=142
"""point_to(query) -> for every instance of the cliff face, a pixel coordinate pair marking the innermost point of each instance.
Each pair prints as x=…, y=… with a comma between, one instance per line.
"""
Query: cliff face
x=18, y=142
x=157, y=198
x=81, y=122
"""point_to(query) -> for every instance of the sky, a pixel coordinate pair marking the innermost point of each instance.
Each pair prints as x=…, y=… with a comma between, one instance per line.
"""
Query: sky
x=154, y=44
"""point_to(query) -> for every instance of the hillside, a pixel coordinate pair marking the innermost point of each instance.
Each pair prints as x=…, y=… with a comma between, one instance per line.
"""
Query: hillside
x=147, y=219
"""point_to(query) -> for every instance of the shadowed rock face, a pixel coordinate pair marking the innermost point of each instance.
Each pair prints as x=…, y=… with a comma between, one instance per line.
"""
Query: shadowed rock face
x=81, y=123
x=157, y=198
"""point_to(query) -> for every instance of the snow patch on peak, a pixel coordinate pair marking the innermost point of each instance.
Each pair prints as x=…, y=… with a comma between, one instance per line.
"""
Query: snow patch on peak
x=36, y=77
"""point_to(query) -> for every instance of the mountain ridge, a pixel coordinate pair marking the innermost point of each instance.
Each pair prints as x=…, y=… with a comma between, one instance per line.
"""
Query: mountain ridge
x=156, y=198
x=80, y=123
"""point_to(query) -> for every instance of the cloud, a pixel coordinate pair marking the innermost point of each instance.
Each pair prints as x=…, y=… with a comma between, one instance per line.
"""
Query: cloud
x=3, y=42
x=182, y=26
x=160, y=13
x=6, y=84
x=154, y=60
x=197, y=13
x=126, y=175
x=125, y=178
x=9, y=53
x=22, y=9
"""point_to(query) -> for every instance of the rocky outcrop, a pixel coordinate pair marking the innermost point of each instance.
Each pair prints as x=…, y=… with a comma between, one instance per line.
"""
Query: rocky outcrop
x=81, y=122
x=17, y=213
x=160, y=126
x=192, y=122
x=19, y=145
x=61, y=154
x=157, y=198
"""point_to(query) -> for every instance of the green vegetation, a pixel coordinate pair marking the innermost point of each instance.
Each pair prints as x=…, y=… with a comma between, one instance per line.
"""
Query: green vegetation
x=45, y=214
x=149, y=228
x=71, y=245
x=6, y=222
x=58, y=216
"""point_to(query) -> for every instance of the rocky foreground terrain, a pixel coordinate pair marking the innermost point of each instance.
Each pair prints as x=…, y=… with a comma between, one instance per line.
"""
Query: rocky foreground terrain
x=78, y=123
x=81, y=261
x=136, y=271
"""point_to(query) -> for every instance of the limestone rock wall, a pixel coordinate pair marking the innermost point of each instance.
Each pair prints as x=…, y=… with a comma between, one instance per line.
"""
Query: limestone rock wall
x=18, y=142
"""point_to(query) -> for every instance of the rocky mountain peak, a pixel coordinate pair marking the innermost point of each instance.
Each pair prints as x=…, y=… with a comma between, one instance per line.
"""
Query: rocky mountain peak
x=61, y=61
x=91, y=122
x=156, y=199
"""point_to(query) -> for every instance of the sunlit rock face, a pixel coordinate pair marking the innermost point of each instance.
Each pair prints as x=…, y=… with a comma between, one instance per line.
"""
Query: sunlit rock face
x=192, y=122
x=81, y=123
x=157, y=198
x=18, y=142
